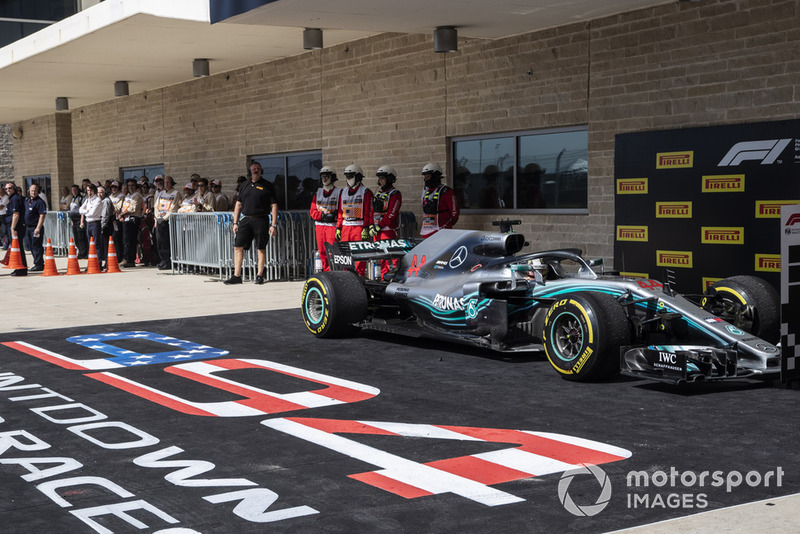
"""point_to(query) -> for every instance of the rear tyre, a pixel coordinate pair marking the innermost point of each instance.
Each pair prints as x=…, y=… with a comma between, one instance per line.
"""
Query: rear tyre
x=583, y=334
x=748, y=303
x=332, y=301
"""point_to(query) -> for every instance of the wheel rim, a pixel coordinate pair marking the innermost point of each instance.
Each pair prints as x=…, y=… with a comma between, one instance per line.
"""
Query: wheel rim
x=314, y=305
x=567, y=335
x=738, y=315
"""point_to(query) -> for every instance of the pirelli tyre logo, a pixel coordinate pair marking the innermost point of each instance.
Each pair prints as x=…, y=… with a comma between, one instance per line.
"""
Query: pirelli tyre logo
x=674, y=258
x=770, y=263
x=771, y=209
x=632, y=186
x=724, y=183
x=675, y=160
x=767, y=152
x=718, y=235
x=632, y=233
x=674, y=210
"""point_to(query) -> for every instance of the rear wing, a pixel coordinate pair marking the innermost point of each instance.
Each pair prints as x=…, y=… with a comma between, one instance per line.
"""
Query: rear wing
x=342, y=254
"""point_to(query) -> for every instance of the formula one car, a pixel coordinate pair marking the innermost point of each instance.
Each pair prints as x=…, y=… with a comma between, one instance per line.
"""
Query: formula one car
x=472, y=287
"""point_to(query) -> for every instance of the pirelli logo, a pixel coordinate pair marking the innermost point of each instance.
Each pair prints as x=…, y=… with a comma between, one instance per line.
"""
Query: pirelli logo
x=771, y=209
x=718, y=235
x=674, y=210
x=632, y=233
x=674, y=258
x=632, y=186
x=675, y=160
x=708, y=281
x=726, y=183
x=770, y=263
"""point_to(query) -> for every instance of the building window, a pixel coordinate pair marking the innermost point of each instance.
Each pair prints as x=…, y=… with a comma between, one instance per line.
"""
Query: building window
x=142, y=171
x=20, y=18
x=295, y=177
x=527, y=172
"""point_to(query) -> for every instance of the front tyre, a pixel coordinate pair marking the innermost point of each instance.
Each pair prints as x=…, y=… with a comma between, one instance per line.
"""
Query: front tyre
x=747, y=302
x=332, y=301
x=583, y=334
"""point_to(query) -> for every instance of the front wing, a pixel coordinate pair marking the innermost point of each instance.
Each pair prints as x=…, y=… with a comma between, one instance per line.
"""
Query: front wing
x=678, y=364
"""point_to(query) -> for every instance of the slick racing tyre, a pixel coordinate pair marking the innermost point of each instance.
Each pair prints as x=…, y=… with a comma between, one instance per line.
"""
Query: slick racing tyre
x=748, y=303
x=332, y=302
x=583, y=334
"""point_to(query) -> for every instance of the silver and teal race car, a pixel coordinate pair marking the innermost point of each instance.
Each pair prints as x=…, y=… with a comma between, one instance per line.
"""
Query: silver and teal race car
x=473, y=287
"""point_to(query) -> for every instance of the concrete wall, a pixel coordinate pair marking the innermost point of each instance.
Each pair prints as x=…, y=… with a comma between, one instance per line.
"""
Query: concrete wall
x=391, y=99
x=45, y=148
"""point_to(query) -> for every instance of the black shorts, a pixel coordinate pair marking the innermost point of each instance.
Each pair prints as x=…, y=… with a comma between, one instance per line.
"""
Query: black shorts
x=252, y=227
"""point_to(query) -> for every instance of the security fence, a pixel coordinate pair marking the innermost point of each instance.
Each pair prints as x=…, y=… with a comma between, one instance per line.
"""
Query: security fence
x=58, y=229
x=203, y=243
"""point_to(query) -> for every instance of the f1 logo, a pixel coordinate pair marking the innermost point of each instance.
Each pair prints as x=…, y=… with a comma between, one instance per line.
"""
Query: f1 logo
x=766, y=151
x=794, y=218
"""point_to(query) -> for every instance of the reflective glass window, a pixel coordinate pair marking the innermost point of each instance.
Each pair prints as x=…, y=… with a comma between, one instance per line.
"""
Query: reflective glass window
x=526, y=171
x=288, y=173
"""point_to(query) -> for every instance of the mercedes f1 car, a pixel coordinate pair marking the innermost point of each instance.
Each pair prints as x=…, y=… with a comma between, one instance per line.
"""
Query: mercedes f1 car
x=473, y=287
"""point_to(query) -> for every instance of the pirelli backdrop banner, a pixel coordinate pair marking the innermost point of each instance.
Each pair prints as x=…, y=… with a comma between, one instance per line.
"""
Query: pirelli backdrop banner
x=705, y=202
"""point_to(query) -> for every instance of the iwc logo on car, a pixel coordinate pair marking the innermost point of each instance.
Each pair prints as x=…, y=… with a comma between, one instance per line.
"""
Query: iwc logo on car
x=724, y=183
x=674, y=258
x=632, y=186
x=718, y=235
x=675, y=160
x=674, y=210
x=632, y=233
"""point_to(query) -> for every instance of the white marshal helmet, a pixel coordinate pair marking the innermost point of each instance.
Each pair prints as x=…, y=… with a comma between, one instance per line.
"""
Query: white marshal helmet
x=388, y=172
x=432, y=168
x=328, y=170
x=354, y=171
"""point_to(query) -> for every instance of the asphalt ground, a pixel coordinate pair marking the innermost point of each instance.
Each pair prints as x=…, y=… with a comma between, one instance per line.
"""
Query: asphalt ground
x=97, y=437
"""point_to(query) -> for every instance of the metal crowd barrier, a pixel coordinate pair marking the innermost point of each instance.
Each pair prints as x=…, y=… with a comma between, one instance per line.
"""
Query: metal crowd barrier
x=203, y=242
x=58, y=229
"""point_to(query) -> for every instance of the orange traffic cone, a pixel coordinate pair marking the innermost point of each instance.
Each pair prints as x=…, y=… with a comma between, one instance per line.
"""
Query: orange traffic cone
x=4, y=261
x=73, y=267
x=112, y=264
x=15, y=258
x=94, y=264
x=50, y=268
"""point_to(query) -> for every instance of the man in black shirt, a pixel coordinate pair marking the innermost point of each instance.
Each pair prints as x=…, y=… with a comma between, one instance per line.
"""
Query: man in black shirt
x=15, y=219
x=35, y=210
x=251, y=214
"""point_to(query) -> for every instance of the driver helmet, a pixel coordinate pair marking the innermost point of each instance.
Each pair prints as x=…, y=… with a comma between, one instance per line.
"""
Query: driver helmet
x=539, y=266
